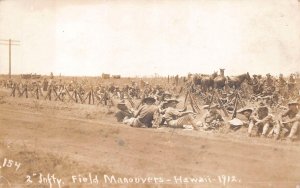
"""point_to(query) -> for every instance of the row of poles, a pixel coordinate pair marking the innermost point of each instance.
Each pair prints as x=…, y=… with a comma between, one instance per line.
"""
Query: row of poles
x=52, y=93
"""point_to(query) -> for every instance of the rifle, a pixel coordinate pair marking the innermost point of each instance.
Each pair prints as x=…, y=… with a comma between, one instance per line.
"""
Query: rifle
x=222, y=107
x=235, y=105
x=130, y=100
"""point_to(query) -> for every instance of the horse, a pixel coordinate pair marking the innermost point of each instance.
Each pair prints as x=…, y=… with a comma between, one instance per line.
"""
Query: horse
x=219, y=82
x=196, y=79
x=207, y=81
x=236, y=81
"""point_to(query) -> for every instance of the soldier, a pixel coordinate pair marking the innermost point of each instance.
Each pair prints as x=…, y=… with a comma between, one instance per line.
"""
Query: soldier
x=281, y=83
x=176, y=118
x=124, y=112
x=243, y=118
x=263, y=120
x=45, y=84
x=159, y=118
x=291, y=84
x=256, y=84
x=165, y=96
x=213, y=119
x=143, y=117
x=290, y=120
x=268, y=85
x=224, y=98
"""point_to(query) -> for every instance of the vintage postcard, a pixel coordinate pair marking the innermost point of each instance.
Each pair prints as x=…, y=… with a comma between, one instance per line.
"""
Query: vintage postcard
x=149, y=93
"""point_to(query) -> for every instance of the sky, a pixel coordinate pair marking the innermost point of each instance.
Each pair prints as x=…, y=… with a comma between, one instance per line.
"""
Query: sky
x=139, y=37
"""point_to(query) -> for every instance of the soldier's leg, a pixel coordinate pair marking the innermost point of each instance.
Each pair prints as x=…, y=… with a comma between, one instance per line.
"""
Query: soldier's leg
x=37, y=93
x=187, y=120
x=251, y=125
x=13, y=92
x=192, y=121
x=50, y=91
x=265, y=129
x=275, y=130
x=294, y=129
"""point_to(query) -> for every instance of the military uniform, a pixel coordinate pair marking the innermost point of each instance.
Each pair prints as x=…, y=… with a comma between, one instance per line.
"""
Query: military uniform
x=281, y=85
x=291, y=84
x=243, y=118
x=292, y=120
x=143, y=117
x=263, y=120
x=123, y=112
x=177, y=119
x=268, y=85
x=213, y=119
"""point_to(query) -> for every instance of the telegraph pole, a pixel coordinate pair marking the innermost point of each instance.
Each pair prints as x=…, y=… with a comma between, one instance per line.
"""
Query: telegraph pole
x=9, y=42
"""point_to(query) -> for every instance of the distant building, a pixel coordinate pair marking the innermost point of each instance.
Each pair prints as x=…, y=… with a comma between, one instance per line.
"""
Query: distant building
x=116, y=76
x=105, y=76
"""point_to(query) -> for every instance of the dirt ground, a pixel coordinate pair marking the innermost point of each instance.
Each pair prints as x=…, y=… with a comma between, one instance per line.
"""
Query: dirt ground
x=68, y=139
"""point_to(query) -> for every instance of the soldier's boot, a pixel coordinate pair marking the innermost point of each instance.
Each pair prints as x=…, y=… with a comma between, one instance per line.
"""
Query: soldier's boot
x=276, y=136
x=276, y=131
x=290, y=139
x=293, y=131
x=195, y=126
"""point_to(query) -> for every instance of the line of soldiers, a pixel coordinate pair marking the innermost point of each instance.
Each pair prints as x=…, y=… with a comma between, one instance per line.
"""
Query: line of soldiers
x=262, y=122
x=150, y=114
x=158, y=107
x=258, y=121
x=74, y=91
x=269, y=85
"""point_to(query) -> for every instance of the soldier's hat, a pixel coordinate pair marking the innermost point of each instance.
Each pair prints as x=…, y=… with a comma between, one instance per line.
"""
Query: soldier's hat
x=149, y=99
x=262, y=104
x=268, y=74
x=121, y=105
x=293, y=103
x=166, y=93
x=242, y=110
x=172, y=101
x=230, y=109
x=236, y=122
x=254, y=75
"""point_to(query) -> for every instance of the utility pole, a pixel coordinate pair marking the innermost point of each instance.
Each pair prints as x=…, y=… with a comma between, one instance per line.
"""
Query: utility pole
x=9, y=42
